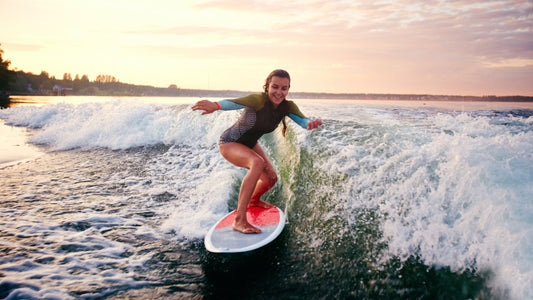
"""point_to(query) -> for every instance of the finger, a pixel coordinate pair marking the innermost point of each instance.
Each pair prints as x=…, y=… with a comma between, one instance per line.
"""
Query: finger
x=199, y=106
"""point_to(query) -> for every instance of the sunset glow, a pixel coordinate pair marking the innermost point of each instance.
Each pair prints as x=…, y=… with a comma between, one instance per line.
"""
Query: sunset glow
x=424, y=47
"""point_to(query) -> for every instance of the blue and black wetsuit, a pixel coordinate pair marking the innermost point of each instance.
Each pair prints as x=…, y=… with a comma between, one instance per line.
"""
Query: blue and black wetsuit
x=259, y=117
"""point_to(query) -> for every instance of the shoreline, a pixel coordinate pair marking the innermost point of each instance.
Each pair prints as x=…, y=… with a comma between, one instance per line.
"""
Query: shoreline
x=170, y=93
x=466, y=105
x=452, y=105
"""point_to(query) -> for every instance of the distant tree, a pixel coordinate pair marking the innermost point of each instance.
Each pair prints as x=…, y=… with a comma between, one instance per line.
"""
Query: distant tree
x=67, y=77
x=25, y=82
x=84, y=82
x=45, y=81
x=6, y=75
x=44, y=75
x=76, y=83
x=173, y=86
x=105, y=79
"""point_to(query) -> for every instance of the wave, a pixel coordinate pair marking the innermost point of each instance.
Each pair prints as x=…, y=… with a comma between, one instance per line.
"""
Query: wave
x=372, y=185
x=118, y=124
x=453, y=192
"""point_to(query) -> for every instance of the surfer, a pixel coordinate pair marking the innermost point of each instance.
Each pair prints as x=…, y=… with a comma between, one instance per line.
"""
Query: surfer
x=238, y=144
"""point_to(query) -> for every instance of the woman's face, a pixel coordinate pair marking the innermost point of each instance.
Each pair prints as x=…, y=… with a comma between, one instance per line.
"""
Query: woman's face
x=278, y=88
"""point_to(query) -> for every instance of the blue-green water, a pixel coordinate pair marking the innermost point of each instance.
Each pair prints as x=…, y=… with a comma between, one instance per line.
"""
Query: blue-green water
x=383, y=201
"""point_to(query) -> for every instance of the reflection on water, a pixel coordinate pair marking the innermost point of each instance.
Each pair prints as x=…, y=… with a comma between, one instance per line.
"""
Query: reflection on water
x=452, y=105
x=14, y=146
x=41, y=100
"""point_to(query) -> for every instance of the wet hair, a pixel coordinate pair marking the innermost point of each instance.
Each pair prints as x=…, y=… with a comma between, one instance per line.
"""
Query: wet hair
x=283, y=74
x=278, y=73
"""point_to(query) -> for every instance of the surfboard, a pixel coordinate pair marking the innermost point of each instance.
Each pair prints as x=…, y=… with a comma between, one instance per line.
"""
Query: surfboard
x=221, y=238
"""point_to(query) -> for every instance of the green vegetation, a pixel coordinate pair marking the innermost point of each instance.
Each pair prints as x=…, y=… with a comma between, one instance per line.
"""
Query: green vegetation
x=6, y=76
x=103, y=85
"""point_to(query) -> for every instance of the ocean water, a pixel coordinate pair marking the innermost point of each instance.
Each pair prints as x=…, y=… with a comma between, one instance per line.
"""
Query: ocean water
x=111, y=197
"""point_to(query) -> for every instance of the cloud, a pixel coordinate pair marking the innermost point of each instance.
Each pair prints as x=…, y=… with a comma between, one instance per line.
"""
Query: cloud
x=490, y=29
x=433, y=39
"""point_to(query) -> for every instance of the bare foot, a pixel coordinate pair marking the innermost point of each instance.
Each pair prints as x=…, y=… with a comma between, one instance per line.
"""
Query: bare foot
x=260, y=203
x=245, y=228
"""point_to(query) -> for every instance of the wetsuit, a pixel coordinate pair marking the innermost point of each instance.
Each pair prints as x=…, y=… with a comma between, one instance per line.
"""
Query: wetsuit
x=259, y=117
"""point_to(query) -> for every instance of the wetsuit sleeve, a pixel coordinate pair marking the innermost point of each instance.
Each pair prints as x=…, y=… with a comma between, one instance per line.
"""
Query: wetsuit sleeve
x=229, y=105
x=297, y=116
x=299, y=120
x=255, y=101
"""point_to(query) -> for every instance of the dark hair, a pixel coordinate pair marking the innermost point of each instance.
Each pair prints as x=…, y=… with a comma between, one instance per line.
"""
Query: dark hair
x=283, y=74
x=278, y=73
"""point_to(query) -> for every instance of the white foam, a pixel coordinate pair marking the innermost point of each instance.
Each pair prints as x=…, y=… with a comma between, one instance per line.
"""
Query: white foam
x=118, y=124
x=207, y=179
x=34, y=292
x=452, y=189
x=49, y=263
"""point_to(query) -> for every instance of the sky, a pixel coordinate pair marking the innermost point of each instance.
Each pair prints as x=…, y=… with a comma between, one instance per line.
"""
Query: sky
x=453, y=47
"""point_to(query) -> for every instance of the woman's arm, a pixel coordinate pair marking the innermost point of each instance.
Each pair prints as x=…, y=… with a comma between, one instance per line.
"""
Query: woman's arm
x=210, y=106
x=297, y=116
x=304, y=122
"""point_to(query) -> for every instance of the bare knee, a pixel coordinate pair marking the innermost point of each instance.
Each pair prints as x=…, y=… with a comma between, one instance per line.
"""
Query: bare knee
x=273, y=178
x=257, y=164
x=271, y=175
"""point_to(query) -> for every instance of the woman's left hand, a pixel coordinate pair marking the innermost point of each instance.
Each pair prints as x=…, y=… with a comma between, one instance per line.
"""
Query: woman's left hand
x=313, y=124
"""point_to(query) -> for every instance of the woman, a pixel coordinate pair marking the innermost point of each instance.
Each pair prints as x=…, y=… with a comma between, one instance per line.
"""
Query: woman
x=238, y=144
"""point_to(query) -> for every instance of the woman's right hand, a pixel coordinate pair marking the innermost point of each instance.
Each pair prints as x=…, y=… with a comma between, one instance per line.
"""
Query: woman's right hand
x=205, y=105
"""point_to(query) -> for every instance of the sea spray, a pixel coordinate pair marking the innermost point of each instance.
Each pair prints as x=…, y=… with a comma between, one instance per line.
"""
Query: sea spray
x=448, y=194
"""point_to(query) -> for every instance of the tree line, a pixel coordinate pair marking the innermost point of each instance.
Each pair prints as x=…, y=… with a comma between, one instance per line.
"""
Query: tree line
x=103, y=85
x=6, y=76
x=26, y=83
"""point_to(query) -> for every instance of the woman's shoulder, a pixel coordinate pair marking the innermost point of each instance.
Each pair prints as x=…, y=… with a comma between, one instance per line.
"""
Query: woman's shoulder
x=292, y=108
x=290, y=104
x=255, y=101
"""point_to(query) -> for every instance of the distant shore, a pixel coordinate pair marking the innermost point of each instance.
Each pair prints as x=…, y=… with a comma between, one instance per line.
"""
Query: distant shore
x=457, y=104
x=173, y=92
x=28, y=84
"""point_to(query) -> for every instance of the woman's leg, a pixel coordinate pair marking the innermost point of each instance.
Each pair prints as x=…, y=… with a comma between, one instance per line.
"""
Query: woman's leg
x=244, y=157
x=266, y=181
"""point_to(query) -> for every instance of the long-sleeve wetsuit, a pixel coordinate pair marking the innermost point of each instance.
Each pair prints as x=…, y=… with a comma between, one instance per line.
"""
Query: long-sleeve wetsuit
x=259, y=117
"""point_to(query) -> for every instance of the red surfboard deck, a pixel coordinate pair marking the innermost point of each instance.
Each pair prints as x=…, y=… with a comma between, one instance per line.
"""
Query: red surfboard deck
x=221, y=238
